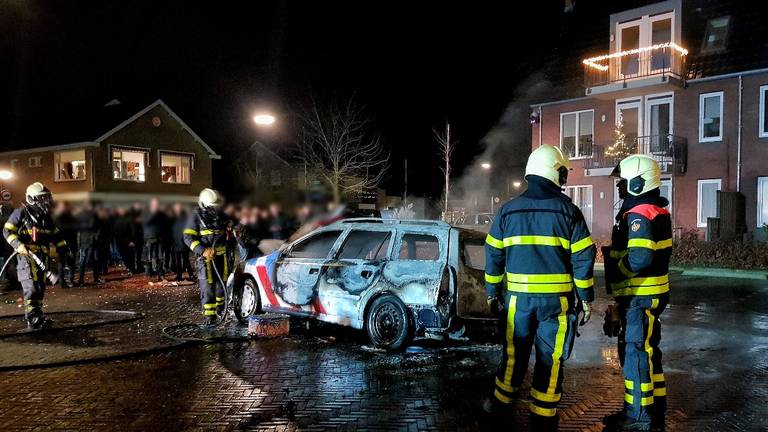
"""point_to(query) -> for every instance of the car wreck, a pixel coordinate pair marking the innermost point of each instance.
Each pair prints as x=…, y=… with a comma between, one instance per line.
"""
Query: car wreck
x=396, y=279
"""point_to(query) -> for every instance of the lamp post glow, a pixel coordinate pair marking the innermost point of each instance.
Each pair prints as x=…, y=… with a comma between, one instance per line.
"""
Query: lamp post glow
x=5, y=175
x=264, y=119
x=516, y=184
x=485, y=165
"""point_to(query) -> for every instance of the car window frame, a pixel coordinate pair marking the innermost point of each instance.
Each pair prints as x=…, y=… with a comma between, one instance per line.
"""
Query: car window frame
x=393, y=236
x=331, y=252
x=441, y=251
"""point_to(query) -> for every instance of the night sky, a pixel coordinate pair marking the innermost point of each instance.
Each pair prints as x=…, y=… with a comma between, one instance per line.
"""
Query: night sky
x=215, y=63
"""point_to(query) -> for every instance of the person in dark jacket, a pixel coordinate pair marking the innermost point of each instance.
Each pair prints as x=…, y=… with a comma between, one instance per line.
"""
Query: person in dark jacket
x=137, y=213
x=123, y=232
x=153, y=226
x=279, y=223
x=104, y=239
x=180, y=251
x=249, y=233
x=67, y=224
x=88, y=230
x=166, y=239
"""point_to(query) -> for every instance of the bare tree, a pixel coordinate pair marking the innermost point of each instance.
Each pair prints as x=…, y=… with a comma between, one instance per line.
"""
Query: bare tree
x=336, y=143
x=446, y=151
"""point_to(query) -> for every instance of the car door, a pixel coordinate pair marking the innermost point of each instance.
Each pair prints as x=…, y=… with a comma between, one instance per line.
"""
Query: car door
x=416, y=269
x=357, y=266
x=300, y=267
x=471, y=296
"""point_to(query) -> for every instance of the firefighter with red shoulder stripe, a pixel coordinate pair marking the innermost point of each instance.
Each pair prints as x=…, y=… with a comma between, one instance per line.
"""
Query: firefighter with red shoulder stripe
x=637, y=275
x=539, y=263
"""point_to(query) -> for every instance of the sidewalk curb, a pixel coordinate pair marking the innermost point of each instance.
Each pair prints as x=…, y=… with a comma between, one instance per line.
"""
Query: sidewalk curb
x=723, y=272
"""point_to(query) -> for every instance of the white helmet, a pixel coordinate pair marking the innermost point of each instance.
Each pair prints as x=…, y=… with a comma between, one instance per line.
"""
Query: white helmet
x=548, y=162
x=641, y=172
x=210, y=198
x=37, y=191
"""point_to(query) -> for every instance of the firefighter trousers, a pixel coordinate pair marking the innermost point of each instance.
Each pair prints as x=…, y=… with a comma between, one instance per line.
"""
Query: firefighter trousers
x=548, y=323
x=211, y=288
x=645, y=392
x=32, y=280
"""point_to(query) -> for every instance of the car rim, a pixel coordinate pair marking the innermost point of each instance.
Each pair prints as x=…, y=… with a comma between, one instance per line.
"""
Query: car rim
x=248, y=301
x=387, y=323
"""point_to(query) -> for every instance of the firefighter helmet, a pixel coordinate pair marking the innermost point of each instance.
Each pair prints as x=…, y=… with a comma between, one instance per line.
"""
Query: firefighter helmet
x=641, y=172
x=210, y=198
x=549, y=162
x=37, y=193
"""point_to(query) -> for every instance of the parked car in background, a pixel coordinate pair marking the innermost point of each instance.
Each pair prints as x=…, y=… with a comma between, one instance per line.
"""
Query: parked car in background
x=397, y=279
x=477, y=221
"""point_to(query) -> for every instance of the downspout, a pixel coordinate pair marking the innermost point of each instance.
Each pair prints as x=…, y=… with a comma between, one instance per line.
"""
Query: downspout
x=541, y=121
x=738, y=140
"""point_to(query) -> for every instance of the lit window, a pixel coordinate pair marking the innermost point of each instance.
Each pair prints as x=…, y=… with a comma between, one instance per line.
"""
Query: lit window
x=576, y=133
x=581, y=196
x=707, y=201
x=711, y=117
x=129, y=165
x=762, y=201
x=175, y=167
x=716, y=35
x=70, y=165
x=35, y=162
x=763, y=131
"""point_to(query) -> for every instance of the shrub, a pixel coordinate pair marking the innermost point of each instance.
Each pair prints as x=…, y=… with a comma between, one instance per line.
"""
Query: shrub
x=689, y=251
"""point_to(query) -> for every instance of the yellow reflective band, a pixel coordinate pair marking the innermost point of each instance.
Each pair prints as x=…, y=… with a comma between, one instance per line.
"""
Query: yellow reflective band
x=617, y=254
x=557, y=353
x=649, y=244
x=625, y=271
x=503, y=399
x=535, y=240
x=581, y=244
x=191, y=231
x=541, y=288
x=584, y=283
x=219, y=299
x=639, y=291
x=660, y=391
x=544, y=397
x=210, y=232
x=510, y=366
x=11, y=237
x=544, y=412
x=10, y=227
x=194, y=244
x=659, y=377
x=539, y=278
x=498, y=244
x=221, y=250
x=494, y=279
x=628, y=398
x=209, y=312
x=506, y=387
x=61, y=243
x=209, y=306
x=629, y=385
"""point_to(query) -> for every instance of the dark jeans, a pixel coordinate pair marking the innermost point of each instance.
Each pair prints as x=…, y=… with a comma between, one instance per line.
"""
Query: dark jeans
x=88, y=257
x=180, y=262
x=128, y=255
x=153, y=257
x=67, y=268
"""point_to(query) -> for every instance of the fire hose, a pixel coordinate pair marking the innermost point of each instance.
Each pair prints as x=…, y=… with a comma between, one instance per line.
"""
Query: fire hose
x=52, y=277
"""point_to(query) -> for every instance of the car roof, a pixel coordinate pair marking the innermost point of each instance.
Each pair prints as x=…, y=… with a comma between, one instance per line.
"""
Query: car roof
x=378, y=222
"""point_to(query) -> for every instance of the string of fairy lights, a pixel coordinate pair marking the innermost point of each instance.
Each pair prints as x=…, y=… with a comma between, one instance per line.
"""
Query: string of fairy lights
x=594, y=62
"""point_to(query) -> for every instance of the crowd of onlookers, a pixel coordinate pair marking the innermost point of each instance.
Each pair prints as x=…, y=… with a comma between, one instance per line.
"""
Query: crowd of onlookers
x=148, y=238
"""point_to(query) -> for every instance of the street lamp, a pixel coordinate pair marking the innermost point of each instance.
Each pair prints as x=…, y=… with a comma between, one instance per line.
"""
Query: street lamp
x=5, y=175
x=516, y=184
x=264, y=119
x=485, y=165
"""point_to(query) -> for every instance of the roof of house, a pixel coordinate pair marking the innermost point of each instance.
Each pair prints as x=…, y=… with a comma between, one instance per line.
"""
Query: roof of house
x=585, y=31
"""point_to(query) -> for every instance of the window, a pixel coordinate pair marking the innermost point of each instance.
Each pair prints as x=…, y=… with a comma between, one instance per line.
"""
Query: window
x=763, y=131
x=711, y=117
x=14, y=164
x=576, y=133
x=421, y=247
x=35, y=162
x=175, y=167
x=707, y=201
x=474, y=253
x=317, y=246
x=70, y=165
x=366, y=245
x=762, y=201
x=129, y=165
x=582, y=198
x=715, y=35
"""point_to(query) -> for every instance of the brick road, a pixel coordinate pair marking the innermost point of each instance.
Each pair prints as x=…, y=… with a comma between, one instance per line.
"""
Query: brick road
x=716, y=358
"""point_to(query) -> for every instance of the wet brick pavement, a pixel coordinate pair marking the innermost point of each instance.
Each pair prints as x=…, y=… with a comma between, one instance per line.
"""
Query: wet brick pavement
x=716, y=361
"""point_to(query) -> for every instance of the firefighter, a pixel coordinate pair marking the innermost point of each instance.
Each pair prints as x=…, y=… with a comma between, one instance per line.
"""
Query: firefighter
x=637, y=273
x=30, y=230
x=540, y=243
x=207, y=234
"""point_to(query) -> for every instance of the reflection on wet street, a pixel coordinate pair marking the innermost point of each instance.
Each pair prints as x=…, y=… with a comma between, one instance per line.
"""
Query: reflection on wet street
x=715, y=343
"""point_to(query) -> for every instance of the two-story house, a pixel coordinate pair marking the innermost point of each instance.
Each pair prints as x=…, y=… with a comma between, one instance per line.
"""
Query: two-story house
x=681, y=80
x=118, y=154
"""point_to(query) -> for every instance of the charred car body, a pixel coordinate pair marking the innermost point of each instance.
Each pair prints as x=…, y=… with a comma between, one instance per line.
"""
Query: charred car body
x=394, y=278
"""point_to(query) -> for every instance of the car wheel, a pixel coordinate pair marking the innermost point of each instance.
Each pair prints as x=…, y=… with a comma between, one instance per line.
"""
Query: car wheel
x=388, y=323
x=247, y=301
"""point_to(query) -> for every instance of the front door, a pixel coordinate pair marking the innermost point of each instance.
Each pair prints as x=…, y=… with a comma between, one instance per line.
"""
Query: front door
x=300, y=268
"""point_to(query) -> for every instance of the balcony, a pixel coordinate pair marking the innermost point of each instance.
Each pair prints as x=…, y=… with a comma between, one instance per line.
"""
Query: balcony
x=669, y=150
x=661, y=66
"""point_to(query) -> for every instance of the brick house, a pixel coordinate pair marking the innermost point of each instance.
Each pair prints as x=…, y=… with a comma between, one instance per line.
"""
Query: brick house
x=683, y=81
x=126, y=154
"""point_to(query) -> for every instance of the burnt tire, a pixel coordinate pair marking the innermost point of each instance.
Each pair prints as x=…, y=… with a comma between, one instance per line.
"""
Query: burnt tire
x=388, y=323
x=246, y=301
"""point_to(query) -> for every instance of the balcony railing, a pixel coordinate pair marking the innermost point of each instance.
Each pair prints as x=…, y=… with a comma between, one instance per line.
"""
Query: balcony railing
x=667, y=59
x=669, y=150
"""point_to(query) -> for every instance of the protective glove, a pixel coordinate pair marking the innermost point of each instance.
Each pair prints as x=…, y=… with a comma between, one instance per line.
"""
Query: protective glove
x=586, y=310
x=22, y=250
x=208, y=254
x=494, y=304
x=612, y=323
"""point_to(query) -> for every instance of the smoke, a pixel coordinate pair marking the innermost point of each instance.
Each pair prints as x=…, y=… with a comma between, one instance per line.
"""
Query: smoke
x=506, y=147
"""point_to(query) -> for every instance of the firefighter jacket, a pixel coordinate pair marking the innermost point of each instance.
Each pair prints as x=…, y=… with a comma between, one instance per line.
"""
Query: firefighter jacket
x=202, y=232
x=641, y=246
x=541, y=243
x=36, y=233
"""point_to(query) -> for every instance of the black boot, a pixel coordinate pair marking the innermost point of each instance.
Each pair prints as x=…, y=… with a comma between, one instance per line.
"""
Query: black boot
x=39, y=322
x=619, y=421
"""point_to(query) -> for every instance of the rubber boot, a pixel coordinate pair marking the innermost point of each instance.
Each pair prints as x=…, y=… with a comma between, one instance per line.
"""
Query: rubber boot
x=618, y=421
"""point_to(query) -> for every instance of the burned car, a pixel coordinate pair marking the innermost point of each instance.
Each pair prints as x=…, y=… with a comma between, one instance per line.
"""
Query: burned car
x=394, y=278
